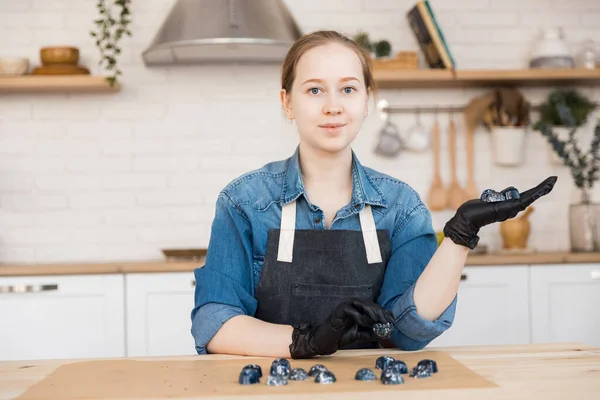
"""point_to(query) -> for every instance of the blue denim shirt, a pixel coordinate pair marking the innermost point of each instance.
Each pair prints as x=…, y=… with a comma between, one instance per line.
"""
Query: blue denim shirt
x=249, y=206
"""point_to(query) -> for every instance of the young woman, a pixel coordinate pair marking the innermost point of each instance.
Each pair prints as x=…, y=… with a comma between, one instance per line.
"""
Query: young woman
x=306, y=254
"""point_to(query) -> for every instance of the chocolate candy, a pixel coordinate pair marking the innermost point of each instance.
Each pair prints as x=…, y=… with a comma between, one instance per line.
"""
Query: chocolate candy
x=249, y=376
x=325, y=377
x=365, y=374
x=382, y=330
x=298, y=374
x=383, y=362
x=280, y=366
x=316, y=369
x=391, y=375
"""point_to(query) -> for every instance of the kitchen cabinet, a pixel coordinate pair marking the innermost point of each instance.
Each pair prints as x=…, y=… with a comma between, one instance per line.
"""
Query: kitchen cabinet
x=158, y=314
x=492, y=308
x=565, y=302
x=50, y=317
x=145, y=312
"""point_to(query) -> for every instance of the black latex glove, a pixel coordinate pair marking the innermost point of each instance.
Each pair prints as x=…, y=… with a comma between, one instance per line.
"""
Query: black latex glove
x=364, y=332
x=472, y=215
x=346, y=324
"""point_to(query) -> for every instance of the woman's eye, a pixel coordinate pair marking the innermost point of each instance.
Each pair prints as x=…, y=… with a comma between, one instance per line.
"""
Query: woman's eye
x=349, y=89
x=314, y=90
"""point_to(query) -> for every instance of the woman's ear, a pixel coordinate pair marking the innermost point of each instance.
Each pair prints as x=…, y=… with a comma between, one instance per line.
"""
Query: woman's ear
x=285, y=102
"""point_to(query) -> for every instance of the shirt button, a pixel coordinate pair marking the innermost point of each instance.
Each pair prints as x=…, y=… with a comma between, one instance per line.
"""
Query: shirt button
x=357, y=206
x=317, y=220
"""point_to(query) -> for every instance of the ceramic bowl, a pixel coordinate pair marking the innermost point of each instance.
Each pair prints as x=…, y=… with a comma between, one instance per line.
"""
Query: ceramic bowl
x=13, y=65
x=59, y=55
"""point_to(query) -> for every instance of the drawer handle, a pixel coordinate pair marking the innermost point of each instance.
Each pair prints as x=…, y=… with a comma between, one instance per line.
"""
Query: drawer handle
x=463, y=277
x=595, y=274
x=28, y=288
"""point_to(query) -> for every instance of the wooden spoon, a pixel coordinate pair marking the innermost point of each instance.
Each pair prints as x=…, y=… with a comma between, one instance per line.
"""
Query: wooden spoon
x=471, y=191
x=436, y=198
x=456, y=195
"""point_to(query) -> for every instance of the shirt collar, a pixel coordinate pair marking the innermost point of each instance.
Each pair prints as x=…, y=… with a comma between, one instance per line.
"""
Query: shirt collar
x=364, y=190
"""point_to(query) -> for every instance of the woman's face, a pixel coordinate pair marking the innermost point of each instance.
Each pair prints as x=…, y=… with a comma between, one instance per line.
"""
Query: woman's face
x=328, y=100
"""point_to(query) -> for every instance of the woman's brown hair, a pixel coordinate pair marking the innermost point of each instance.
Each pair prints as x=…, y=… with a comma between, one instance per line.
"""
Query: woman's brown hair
x=318, y=38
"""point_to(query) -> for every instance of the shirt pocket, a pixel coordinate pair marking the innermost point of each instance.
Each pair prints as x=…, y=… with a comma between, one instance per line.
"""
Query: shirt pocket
x=257, y=265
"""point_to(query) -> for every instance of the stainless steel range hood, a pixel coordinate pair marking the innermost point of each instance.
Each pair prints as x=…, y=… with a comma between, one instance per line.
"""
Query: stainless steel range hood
x=209, y=31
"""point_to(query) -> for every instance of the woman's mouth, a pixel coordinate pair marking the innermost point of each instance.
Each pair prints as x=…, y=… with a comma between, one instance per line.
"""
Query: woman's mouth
x=332, y=128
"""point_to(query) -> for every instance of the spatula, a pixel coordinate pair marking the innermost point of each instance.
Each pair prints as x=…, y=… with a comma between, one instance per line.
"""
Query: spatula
x=436, y=198
x=456, y=194
x=471, y=191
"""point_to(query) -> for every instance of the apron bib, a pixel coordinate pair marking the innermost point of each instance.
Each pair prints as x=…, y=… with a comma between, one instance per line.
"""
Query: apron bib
x=307, y=273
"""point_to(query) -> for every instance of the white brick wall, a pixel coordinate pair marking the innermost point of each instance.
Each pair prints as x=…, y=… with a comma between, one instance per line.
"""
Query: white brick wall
x=115, y=177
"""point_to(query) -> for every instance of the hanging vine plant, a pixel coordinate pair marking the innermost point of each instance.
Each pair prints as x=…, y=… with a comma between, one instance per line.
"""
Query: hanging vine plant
x=110, y=27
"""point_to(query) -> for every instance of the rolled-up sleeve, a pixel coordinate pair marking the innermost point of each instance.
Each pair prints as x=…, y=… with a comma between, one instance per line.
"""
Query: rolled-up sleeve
x=208, y=320
x=413, y=244
x=224, y=285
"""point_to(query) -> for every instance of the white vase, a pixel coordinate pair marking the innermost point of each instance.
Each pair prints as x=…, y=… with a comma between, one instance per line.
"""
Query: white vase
x=562, y=133
x=508, y=145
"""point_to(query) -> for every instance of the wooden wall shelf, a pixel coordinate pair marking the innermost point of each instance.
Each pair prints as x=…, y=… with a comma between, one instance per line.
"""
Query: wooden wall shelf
x=435, y=79
x=56, y=84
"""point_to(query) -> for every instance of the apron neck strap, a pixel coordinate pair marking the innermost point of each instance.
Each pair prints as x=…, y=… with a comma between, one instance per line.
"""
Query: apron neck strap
x=288, y=226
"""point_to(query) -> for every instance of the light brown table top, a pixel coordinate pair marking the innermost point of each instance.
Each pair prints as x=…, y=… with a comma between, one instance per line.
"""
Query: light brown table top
x=542, y=371
x=152, y=266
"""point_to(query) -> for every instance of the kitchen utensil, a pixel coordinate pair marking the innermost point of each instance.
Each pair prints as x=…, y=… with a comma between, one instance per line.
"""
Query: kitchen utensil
x=13, y=66
x=416, y=138
x=515, y=231
x=390, y=141
x=471, y=191
x=456, y=194
x=62, y=55
x=500, y=107
x=437, y=197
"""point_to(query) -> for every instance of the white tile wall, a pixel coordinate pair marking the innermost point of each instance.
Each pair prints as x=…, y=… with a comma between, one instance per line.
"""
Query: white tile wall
x=117, y=177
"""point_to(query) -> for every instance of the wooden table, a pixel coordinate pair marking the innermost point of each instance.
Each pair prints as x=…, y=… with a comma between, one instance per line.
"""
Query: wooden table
x=543, y=371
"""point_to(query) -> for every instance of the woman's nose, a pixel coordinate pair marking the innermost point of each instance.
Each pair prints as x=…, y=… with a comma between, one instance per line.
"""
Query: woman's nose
x=332, y=106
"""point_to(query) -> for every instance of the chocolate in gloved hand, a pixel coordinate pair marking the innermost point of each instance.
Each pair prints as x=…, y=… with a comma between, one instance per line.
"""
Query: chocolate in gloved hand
x=351, y=321
x=474, y=214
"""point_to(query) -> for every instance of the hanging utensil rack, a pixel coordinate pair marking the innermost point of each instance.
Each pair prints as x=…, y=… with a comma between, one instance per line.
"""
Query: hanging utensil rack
x=384, y=107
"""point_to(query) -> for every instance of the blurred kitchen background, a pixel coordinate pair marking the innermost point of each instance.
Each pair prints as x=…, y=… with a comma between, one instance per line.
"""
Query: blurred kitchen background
x=97, y=181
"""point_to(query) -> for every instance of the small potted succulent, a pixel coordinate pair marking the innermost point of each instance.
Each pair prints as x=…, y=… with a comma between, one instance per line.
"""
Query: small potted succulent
x=364, y=40
x=579, y=106
x=381, y=49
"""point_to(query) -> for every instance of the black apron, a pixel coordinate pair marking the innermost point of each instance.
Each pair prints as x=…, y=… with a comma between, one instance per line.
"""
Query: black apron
x=307, y=273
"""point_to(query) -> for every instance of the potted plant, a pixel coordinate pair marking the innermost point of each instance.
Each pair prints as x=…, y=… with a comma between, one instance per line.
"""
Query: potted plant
x=363, y=39
x=585, y=170
x=507, y=118
x=580, y=108
x=383, y=49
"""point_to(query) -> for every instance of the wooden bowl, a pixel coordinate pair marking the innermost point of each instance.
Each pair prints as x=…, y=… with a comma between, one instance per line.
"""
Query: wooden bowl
x=59, y=55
